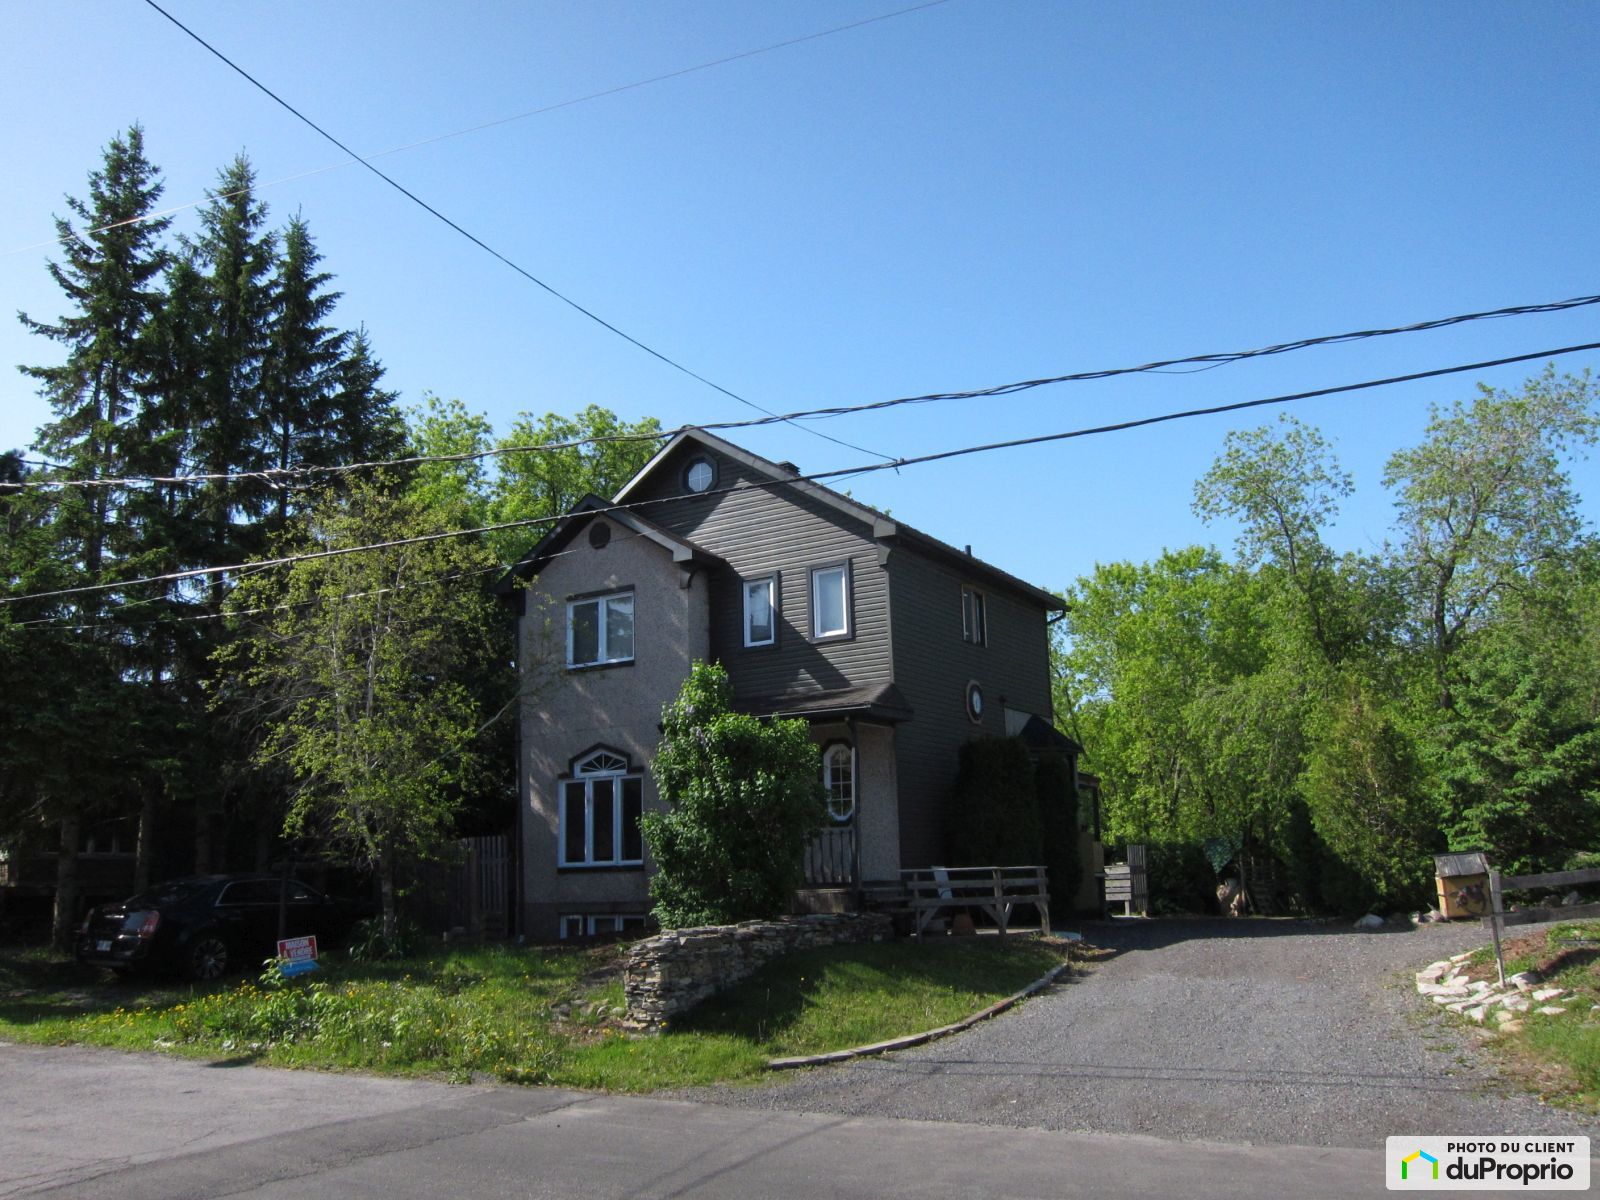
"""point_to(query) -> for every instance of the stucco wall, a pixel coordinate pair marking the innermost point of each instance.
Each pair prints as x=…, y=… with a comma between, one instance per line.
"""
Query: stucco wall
x=566, y=712
x=877, y=795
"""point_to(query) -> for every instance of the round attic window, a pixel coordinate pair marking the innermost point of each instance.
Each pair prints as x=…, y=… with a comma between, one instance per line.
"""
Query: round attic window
x=975, y=703
x=700, y=474
x=599, y=535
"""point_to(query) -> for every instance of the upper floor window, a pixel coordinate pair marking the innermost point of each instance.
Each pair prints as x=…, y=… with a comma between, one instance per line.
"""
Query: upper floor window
x=830, y=601
x=700, y=473
x=600, y=630
x=761, y=611
x=600, y=809
x=974, y=617
x=839, y=780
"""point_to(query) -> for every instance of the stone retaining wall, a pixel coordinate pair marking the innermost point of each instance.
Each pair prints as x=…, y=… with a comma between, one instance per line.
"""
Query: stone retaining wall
x=670, y=973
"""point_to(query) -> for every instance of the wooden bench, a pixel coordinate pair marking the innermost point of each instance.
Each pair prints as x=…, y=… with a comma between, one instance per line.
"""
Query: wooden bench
x=996, y=890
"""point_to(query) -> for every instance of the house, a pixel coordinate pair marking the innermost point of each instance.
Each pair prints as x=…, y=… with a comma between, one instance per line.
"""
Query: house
x=894, y=646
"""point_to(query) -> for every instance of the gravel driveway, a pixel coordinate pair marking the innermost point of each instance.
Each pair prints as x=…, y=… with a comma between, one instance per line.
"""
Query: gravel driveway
x=1240, y=1031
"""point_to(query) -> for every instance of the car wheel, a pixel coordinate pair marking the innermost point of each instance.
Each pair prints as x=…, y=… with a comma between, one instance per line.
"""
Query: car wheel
x=208, y=959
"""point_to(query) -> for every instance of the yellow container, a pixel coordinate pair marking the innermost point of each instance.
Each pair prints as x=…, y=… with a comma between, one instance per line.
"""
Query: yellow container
x=1463, y=880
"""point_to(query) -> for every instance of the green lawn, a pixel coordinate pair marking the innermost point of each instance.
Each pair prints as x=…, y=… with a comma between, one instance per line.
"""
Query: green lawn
x=536, y=1015
x=1559, y=1054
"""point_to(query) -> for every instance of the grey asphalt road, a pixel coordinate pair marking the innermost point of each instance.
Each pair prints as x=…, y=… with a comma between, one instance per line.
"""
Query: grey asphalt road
x=1265, y=1031
x=1232, y=1059
x=91, y=1123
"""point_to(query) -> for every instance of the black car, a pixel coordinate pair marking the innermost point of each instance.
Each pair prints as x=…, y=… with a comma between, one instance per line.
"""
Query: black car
x=204, y=926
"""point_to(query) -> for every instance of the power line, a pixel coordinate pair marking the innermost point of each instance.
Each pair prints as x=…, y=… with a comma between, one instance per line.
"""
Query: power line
x=227, y=614
x=484, y=246
x=522, y=116
x=764, y=485
x=1211, y=360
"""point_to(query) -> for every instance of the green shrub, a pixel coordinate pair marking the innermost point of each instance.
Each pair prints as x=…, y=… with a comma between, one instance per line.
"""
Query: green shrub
x=1180, y=878
x=745, y=796
x=993, y=813
x=1057, y=800
x=369, y=943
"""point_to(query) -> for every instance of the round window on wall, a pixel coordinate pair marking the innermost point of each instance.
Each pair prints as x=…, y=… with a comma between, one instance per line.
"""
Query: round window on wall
x=700, y=475
x=975, y=703
x=599, y=535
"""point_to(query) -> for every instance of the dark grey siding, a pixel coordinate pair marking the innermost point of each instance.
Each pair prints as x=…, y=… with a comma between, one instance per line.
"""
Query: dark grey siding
x=765, y=531
x=933, y=666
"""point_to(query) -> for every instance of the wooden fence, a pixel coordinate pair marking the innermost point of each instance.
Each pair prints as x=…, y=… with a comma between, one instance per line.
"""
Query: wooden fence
x=1498, y=917
x=996, y=890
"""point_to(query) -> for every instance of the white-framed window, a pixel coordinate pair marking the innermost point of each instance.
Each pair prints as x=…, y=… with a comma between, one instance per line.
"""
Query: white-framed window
x=600, y=630
x=974, y=617
x=588, y=925
x=761, y=611
x=839, y=779
x=599, y=819
x=830, y=601
x=700, y=473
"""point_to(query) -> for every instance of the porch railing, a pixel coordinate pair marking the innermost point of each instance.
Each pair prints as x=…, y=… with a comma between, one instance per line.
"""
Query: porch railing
x=831, y=857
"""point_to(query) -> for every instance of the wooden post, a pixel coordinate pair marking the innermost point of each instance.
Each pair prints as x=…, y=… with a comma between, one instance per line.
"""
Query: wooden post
x=1495, y=909
x=1001, y=916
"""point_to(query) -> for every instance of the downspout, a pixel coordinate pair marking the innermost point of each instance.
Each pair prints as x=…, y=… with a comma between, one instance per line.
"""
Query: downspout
x=855, y=817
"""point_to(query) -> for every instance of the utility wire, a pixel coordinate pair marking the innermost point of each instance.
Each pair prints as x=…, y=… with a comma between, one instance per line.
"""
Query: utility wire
x=767, y=485
x=227, y=614
x=522, y=116
x=1213, y=360
x=484, y=246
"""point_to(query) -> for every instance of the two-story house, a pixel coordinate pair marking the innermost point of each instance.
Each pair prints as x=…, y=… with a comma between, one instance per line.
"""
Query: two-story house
x=896, y=647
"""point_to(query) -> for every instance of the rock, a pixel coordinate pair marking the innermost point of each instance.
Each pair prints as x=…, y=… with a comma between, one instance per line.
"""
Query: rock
x=1370, y=921
x=1570, y=899
x=1516, y=1003
x=1551, y=1010
x=1432, y=917
x=1504, y=1015
x=1544, y=994
x=1433, y=972
x=1525, y=981
x=1511, y=1027
x=1461, y=958
x=1477, y=1012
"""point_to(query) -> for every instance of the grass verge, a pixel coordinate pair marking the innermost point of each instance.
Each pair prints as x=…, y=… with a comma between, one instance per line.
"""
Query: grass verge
x=1558, y=1056
x=535, y=1015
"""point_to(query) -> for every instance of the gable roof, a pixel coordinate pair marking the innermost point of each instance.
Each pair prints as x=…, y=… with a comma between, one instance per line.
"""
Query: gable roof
x=884, y=527
x=591, y=506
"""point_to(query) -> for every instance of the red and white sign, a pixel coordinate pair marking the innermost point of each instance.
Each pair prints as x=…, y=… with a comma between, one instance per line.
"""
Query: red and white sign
x=300, y=949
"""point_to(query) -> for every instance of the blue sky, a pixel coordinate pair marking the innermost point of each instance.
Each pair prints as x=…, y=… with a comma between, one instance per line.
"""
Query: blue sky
x=960, y=196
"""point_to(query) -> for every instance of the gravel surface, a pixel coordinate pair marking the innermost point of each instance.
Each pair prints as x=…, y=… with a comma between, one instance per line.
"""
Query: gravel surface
x=1239, y=1031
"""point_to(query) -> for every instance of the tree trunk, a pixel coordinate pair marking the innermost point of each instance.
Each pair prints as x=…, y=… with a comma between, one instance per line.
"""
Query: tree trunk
x=144, y=850
x=202, y=838
x=391, y=923
x=64, y=921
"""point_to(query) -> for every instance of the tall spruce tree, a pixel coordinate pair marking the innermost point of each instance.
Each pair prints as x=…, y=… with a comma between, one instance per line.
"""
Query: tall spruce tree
x=301, y=379
x=109, y=271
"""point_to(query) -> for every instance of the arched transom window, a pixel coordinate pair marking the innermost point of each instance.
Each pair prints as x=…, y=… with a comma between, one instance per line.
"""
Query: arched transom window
x=600, y=807
x=839, y=780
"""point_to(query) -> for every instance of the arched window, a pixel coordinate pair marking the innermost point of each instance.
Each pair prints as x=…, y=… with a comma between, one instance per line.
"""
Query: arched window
x=839, y=779
x=600, y=807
